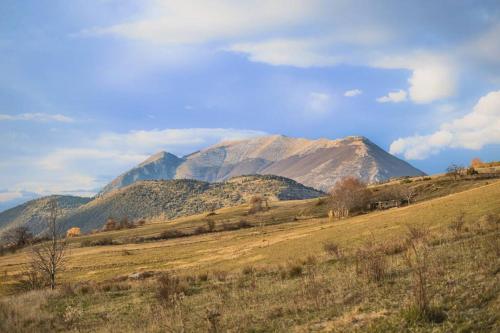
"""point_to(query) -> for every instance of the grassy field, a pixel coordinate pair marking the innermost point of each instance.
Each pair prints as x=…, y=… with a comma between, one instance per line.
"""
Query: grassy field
x=278, y=277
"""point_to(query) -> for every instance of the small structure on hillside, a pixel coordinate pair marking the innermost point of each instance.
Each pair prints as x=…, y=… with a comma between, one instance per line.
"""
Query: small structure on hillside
x=385, y=204
x=73, y=232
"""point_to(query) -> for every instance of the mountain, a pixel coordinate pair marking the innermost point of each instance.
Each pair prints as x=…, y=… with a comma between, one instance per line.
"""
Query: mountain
x=316, y=163
x=33, y=213
x=159, y=166
x=173, y=198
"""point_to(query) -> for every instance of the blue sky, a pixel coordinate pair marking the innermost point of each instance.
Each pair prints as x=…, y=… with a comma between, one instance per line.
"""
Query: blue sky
x=90, y=88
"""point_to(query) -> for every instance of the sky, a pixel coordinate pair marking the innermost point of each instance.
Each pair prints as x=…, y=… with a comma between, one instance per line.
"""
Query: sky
x=88, y=89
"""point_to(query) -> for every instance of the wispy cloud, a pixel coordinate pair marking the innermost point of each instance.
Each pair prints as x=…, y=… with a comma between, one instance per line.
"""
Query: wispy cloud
x=95, y=162
x=319, y=103
x=353, y=92
x=37, y=117
x=472, y=131
x=393, y=97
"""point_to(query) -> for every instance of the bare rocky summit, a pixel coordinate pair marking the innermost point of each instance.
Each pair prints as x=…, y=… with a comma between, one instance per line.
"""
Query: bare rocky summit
x=316, y=163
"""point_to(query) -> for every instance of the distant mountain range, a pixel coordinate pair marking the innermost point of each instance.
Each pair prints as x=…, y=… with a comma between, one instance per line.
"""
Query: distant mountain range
x=146, y=199
x=316, y=163
x=282, y=168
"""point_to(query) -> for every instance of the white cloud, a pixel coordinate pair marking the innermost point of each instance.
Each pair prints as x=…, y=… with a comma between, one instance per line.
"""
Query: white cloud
x=353, y=92
x=393, y=97
x=37, y=117
x=319, y=103
x=7, y=196
x=472, y=131
x=433, y=76
x=112, y=153
x=197, y=21
x=287, y=52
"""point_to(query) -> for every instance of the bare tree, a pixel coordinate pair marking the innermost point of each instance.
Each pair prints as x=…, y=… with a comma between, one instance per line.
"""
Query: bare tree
x=348, y=194
x=454, y=171
x=405, y=192
x=48, y=257
x=17, y=237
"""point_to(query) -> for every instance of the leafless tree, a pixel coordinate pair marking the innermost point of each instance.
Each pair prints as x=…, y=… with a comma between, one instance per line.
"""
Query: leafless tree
x=348, y=194
x=48, y=257
x=454, y=171
x=405, y=192
x=17, y=237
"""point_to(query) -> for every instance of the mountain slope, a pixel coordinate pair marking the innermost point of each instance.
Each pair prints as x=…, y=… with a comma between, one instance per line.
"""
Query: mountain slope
x=173, y=198
x=159, y=166
x=32, y=213
x=316, y=163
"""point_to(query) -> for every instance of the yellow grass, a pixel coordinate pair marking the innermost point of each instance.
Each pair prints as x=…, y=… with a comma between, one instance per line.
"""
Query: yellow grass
x=274, y=244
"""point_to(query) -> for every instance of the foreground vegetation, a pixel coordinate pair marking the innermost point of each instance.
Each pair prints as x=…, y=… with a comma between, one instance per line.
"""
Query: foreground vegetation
x=430, y=266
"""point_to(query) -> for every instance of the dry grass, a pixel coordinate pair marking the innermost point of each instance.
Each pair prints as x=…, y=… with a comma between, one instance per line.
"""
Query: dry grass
x=233, y=281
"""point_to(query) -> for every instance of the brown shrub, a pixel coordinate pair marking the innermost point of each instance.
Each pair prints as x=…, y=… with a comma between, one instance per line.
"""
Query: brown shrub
x=371, y=262
x=332, y=249
x=170, y=289
x=169, y=234
x=457, y=224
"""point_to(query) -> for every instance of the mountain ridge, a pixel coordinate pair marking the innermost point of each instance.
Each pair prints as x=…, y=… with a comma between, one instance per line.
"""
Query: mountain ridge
x=316, y=163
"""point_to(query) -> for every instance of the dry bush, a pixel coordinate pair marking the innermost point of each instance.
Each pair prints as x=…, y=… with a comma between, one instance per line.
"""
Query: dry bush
x=417, y=259
x=220, y=276
x=210, y=225
x=371, y=261
x=169, y=234
x=248, y=270
x=457, y=225
x=256, y=203
x=417, y=232
x=110, y=224
x=213, y=320
x=114, y=286
x=394, y=247
x=200, y=230
x=171, y=289
x=17, y=237
x=295, y=270
x=203, y=277
x=98, y=242
x=332, y=249
x=489, y=222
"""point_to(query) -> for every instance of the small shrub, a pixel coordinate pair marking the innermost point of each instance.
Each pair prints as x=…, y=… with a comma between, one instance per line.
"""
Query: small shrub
x=248, y=270
x=203, y=277
x=170, y=289
x=169, y=234
x=102, y=242
x=220, y=275
x=457, y=224
x=243, y=224
x=200, y=230
x=413, y=315
x=371, y=262
x=210, y=225
x=416, y=232
x=332, y=249
x=295, y=270
x=213, y=320
x=394, y=247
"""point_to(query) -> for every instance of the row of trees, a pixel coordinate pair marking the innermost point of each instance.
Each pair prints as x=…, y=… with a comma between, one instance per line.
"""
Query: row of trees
x=351, y=194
